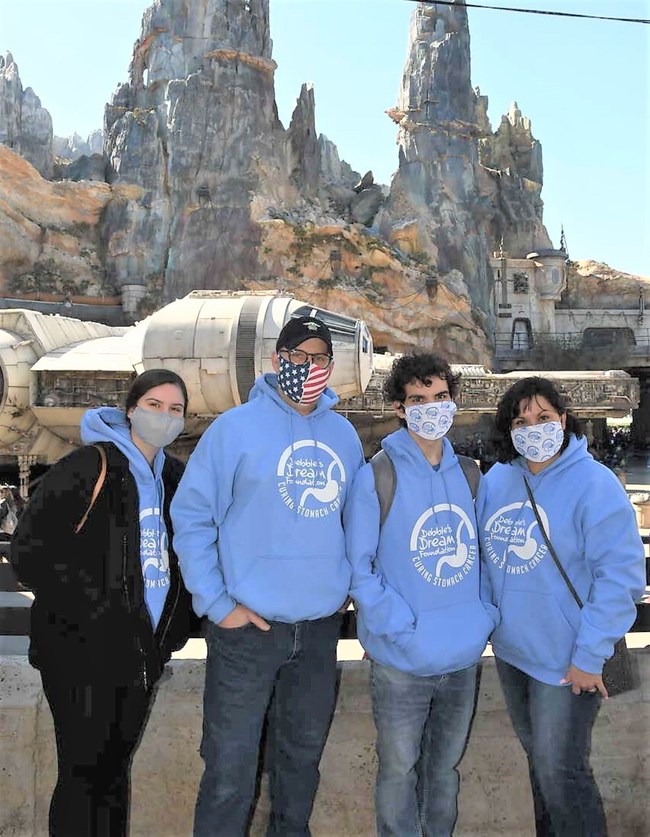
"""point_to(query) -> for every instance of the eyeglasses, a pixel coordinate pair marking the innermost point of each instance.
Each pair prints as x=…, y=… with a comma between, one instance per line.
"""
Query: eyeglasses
x=298, y=357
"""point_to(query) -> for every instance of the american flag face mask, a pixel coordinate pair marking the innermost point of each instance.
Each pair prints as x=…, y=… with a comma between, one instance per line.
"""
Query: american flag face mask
x=303, y=383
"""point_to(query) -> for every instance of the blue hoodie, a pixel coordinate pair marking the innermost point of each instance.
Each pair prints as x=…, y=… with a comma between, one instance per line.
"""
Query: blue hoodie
x=108, y=424
x=257, y=514
x=416, y=583
x=591, y=524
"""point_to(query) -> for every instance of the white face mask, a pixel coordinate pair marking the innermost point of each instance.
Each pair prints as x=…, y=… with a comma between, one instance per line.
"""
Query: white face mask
x=154, y=428
x=430, y=421
x=540, y=442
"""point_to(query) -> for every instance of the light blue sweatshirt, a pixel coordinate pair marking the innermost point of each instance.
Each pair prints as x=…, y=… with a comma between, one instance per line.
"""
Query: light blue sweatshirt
x=257, y=515
x=416, y=583
x=591, y=525
x=108, y=424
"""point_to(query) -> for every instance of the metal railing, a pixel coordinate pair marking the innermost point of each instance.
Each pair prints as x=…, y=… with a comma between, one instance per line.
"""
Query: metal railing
x=632, y=345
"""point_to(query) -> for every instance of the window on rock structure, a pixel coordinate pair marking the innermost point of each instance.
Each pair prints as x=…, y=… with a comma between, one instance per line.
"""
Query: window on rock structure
x=520, y=283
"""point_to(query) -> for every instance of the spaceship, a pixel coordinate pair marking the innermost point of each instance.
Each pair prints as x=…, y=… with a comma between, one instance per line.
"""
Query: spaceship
x=53, y=368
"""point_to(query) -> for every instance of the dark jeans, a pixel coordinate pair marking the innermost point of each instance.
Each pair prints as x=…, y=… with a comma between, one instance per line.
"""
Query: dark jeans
x=423, y=724
x=554, y=727
x=98, y=728
x=295, y=666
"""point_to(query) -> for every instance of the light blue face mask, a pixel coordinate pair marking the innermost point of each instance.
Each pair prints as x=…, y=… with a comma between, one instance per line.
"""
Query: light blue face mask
x=430, y=421
x=539, y=442
x=154, y=428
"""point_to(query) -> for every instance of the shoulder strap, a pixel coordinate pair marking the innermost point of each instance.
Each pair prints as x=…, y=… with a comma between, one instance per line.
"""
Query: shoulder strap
x=566, y=578
x=385, y=482
x=472, y=472
x=103, y=465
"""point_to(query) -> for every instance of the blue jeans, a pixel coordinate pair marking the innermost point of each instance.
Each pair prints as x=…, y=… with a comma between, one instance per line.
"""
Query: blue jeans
x=292, y=668
x=554, y=728
x=423, y=724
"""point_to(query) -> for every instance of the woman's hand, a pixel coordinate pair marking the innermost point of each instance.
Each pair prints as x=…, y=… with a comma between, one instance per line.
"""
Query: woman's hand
x=584, y=681
x=240, y=616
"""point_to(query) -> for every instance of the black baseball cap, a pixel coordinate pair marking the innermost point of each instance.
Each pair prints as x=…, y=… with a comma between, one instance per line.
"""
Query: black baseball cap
x=299, y=329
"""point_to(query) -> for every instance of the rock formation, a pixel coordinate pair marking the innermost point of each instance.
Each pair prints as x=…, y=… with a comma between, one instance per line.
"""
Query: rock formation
x=49, y=233
x=207, y=189
x=594, y=286
x=436, y=187
x=75, y=146
x=25, y=126
x=511, y=178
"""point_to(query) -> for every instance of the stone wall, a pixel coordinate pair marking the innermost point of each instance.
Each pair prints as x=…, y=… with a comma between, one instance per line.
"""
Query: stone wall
x=494, y=800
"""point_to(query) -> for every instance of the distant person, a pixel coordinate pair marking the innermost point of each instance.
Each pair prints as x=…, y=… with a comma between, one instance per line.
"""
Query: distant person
x=549, y=651
x=415, y=581
x=259, y=535
x=109, y=603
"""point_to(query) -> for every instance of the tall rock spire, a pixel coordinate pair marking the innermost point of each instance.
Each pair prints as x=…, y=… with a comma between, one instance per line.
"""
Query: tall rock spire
x=197, y=129
x=25, y=126
x=440, y=117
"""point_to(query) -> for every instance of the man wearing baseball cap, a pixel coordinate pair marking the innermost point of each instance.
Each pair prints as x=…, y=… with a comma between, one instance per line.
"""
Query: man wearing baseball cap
x=257, y=518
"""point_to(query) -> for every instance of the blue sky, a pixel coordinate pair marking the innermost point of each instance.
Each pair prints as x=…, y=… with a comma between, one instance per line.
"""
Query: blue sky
x=584, y=84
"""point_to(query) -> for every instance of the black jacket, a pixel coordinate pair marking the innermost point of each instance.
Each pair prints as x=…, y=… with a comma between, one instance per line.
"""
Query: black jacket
x=89, y=617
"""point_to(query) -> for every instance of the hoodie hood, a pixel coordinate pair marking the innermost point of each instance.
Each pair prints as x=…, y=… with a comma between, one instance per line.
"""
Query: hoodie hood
x=400, y=446
x=109, y=424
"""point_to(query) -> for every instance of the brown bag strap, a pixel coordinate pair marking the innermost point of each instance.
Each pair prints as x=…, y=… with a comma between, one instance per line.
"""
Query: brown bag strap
x=97, y=488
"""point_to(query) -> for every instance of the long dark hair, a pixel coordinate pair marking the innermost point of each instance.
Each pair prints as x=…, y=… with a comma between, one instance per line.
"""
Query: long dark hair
x=508, y=409
x=150, y=379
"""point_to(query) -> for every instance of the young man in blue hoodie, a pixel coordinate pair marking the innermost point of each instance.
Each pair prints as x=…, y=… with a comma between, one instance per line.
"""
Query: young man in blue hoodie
x=415, y=581
x=258, y=528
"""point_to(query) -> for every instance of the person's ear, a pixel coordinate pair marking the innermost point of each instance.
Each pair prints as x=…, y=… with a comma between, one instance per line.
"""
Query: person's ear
x=398, y=409
x=275, y=362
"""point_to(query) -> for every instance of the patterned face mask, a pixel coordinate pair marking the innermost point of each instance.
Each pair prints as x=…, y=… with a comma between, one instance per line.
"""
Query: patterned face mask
x=430, y=421
x=303, y=383
x=540, y=442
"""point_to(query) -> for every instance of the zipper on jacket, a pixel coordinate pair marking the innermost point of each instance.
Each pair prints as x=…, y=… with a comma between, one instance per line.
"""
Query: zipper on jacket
x=125, y=585
x=172, y=609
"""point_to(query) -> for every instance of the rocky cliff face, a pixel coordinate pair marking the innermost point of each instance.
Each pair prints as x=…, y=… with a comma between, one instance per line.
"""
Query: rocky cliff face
x=436, y=185
x=75, y=146
x=49, y=232
x=510, y=181
x=209, y=190
x=197, y=128
x=594, y=286
x=25, y=126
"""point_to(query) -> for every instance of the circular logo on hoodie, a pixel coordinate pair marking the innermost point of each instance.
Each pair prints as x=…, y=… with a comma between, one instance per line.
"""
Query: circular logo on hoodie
x=443, y=546
x=310, y=478
x=512, y=540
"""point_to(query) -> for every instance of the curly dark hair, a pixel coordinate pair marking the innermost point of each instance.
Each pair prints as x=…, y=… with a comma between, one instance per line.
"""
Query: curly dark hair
x=508, y=409
x=150, y=379
x=418, y=366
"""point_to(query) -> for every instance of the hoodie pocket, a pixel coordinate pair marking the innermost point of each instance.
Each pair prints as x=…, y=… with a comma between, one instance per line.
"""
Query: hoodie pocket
x=448, y=639
x=294, y=588
x=535, y=628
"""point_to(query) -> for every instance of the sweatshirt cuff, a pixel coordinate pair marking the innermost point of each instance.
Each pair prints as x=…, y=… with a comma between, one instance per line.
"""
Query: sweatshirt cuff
x=582, y=659
x=221, y=608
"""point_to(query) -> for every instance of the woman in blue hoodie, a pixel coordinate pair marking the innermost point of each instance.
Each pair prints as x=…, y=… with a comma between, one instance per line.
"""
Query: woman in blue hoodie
x=109, y=608
x=550, y=652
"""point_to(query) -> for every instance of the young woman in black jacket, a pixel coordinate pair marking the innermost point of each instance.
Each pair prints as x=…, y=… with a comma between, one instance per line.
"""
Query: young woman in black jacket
x=94, y=545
